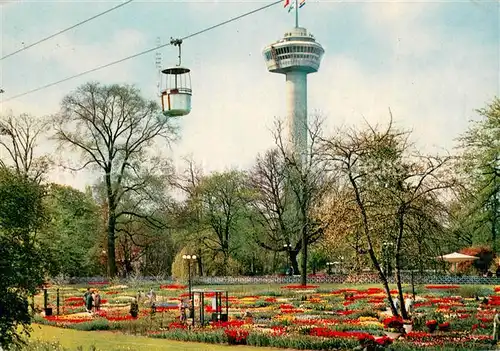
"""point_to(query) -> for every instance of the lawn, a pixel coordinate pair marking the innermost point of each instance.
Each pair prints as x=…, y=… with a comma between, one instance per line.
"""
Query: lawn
x=109, y=341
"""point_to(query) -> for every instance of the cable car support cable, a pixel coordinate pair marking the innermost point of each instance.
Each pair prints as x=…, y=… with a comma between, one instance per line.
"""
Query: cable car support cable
x=143, y=52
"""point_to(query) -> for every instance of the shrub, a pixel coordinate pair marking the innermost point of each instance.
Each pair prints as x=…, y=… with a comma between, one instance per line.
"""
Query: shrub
x=96, y=324
x=469, y=291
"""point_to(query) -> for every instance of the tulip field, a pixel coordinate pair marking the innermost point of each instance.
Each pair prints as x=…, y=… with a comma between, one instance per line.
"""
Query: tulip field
x=314, y=317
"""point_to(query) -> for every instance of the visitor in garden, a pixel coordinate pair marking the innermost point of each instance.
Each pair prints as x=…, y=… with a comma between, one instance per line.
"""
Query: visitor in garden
x=97, y=301
x=152, y=300
x=409, y=303
x=152, y=297
x=134, y=308
x=89, y=302
x=396, y=304
x=182, y=309
x=88, y=292
x=496, y=325
x=140, y=294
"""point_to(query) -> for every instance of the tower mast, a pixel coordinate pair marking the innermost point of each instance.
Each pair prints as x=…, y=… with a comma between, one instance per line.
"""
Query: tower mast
x=296, y=13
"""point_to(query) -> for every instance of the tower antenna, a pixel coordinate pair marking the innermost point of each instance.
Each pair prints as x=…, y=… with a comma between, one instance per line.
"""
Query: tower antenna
x=296, y=13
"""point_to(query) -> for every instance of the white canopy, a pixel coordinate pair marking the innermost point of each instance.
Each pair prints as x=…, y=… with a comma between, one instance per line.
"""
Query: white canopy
x=457, y=257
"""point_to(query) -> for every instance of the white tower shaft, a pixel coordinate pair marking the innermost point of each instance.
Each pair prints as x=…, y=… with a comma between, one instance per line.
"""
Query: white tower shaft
x=296, y=91
x=296, y=55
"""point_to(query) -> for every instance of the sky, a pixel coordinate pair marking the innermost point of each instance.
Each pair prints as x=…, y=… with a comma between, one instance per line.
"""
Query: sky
x=432, y=63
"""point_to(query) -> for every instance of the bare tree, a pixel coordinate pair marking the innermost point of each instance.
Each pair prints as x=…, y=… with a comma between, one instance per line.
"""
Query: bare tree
x=303, y=184
x=275, y=226
x=395, y=190
x=114, y=129
x=19, y=137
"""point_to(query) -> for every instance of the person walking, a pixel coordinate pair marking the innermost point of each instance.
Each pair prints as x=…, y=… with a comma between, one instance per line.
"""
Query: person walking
x=89, y=302
x=134, y=308
x=152, y=297
x=152, y=301
x=97, y=301
x=87, y=293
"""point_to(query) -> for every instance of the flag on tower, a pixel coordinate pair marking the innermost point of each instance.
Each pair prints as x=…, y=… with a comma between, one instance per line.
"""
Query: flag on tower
x=302, y=3
x=292, y=6
x=287, y=2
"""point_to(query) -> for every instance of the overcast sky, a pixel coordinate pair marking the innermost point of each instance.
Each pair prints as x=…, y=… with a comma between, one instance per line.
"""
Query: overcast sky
x=431, y=63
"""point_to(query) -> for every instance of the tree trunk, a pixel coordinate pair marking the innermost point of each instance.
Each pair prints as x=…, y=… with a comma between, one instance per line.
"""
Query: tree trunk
x=384, y=281
x=303, y=273
x=293, y=259
x=111, y=225
x=226, y=259
x=111, y=245
x=128, y=267
x=371, y=252
x=404, y=313
x=275, y=260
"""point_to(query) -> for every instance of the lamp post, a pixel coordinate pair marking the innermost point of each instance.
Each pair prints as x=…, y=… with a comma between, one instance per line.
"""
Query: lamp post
x=189, y=258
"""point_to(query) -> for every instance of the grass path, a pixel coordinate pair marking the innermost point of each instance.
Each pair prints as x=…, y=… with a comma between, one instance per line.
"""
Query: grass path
x=111, y=341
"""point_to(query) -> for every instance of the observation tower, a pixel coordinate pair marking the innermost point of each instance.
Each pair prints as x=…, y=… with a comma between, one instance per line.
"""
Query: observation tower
x=295, y=55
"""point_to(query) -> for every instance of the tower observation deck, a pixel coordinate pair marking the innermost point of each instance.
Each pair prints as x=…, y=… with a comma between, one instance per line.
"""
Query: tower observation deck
x=296, y=55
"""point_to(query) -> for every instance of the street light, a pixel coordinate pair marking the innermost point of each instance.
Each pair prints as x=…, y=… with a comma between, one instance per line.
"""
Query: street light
x=189, y=259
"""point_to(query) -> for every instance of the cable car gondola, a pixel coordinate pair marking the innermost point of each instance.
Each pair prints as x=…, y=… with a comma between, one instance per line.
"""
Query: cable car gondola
x=176, y=97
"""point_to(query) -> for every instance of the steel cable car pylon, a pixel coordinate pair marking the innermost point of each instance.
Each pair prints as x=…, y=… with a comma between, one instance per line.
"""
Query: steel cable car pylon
x=176, y=97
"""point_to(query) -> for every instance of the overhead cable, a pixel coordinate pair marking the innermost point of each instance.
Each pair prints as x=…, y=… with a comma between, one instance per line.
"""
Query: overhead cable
x=143, y=52
x=67, y=29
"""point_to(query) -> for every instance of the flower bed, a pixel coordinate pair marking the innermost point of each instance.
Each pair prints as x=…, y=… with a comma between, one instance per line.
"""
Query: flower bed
x=295, y=316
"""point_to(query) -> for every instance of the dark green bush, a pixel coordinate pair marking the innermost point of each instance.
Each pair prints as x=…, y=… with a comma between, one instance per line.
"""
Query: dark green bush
x=97, y=324
x=469, y=291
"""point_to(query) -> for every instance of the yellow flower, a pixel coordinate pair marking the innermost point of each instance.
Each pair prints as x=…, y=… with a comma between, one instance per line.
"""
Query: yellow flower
x=368, y=319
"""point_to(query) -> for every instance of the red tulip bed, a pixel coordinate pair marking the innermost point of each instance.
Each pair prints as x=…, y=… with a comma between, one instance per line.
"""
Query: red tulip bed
x=297, y=317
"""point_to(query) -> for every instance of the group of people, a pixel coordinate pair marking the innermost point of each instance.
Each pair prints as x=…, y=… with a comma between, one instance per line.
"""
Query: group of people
x=409, y=305
x=92, y=300
x=151, y=296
